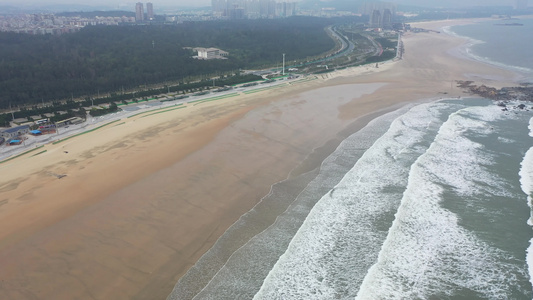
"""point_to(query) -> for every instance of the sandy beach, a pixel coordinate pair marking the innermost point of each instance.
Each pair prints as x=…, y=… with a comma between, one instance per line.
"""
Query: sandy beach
x=145, y=197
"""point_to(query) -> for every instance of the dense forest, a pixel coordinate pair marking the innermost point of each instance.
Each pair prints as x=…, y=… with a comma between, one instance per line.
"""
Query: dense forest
x=100, y=59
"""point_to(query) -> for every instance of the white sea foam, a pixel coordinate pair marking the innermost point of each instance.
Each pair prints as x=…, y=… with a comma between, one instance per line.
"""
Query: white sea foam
x=505, y=140
x=526, y=183
x=529, y=260
x=466, y=161
x=530, y=127
x=341, y=237
x=526, y=180
x=427, y=253
x=243, y=273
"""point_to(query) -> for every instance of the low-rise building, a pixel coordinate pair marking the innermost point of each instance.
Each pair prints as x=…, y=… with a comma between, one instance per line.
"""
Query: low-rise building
x=14, y=132
x=70, y=121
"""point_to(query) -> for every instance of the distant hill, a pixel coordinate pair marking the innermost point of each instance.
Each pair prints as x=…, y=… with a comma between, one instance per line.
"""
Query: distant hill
x=52, y=8
x=92, y=14
x=74, y=7
x=9, y=9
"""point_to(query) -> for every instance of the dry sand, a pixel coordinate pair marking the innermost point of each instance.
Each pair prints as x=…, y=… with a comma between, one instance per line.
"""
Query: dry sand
x=145, y=197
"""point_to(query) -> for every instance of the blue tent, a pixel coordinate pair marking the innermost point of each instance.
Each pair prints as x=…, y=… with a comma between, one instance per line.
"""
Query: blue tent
x=14, y=141
x=35, y=132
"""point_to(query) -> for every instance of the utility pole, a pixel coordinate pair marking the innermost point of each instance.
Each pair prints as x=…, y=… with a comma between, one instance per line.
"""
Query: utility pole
x=12, y=112
x=283, y=69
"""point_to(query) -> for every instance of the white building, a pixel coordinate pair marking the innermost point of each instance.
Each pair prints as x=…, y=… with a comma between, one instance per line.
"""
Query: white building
x=211, y=53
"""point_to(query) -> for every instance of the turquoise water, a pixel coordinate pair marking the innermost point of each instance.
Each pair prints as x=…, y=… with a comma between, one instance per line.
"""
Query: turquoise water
x=432, y=201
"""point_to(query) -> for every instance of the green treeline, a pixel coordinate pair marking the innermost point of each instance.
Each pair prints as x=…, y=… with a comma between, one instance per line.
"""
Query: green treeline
x=386, y=55
x=103, y=59
x=387, y=43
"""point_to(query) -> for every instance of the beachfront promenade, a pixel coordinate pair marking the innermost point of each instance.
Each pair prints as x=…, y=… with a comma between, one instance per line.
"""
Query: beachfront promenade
x=36, y=142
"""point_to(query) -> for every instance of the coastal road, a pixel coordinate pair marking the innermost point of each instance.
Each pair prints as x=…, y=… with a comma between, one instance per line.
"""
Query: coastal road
x=126, y=111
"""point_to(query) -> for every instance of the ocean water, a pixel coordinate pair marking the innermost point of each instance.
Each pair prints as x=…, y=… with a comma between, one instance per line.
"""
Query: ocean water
x=431, y=201
x=504, y=46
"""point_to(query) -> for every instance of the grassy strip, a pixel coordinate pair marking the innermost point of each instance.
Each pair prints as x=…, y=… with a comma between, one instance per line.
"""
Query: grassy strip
x=243, y=83
x=145, y=112
x=279, y=77
x=174, y=99
x=160, y=112
x=194, y=101
x=68, y=138
x=264, y=89
x=120, y=124
x=39, y=152
x=1, y=162
x=304, y=80
x=216, y=98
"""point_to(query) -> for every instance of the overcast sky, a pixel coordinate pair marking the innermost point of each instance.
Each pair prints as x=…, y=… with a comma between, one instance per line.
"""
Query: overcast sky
x=111, y=3
x=456, y=2
x=175, y=3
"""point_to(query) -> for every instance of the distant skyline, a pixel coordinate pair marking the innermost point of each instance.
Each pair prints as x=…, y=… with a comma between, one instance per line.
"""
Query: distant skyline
x=458, y=3
x=130, y=5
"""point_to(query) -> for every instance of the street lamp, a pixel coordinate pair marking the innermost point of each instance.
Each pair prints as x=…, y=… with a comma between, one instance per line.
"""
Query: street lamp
x=283, y=69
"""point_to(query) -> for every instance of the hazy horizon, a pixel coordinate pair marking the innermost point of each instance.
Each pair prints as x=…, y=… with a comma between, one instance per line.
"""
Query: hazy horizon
x=130, y=5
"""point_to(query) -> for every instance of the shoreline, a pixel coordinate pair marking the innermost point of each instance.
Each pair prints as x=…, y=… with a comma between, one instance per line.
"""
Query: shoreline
x=281, y=197
x=144, y=200
x=521, y=74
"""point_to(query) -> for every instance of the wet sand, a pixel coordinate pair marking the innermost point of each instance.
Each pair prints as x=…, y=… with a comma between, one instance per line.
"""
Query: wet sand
x=145, y=197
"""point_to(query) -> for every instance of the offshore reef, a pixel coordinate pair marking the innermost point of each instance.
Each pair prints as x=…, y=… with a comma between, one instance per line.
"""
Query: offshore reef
x=524, y=92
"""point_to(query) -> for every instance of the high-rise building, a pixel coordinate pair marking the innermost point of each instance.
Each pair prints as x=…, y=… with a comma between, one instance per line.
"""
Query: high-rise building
x=285, y=9
x=264, y=8
x=386, y=19
x=139, y=12
x=521, y=4
x=219, y=6
x=235, y=9
x=375, y=18
x=149, y=11
x=381, y=13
